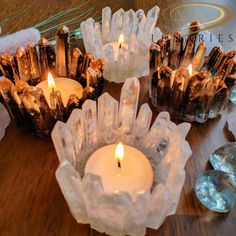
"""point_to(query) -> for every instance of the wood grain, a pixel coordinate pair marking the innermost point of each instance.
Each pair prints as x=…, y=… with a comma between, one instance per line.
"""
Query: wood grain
x=31, y=201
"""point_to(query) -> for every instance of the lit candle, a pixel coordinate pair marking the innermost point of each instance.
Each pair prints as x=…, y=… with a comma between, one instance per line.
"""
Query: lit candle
x=66, y=87
x=117, y=46
x=121, y=168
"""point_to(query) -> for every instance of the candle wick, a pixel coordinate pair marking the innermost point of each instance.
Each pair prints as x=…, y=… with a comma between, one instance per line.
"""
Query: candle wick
x=119, y=164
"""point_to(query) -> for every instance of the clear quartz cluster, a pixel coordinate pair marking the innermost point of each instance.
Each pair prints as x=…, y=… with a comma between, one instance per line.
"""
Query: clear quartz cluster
x=137, y=29
x=107, y=122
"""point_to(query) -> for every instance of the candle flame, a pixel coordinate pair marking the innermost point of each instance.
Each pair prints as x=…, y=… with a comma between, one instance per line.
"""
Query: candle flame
x=190, y=69
x=119, y=153
x=51, y=82
x=121, y=40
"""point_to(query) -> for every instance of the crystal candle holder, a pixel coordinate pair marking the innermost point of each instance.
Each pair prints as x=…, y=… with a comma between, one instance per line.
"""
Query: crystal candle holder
x=125, y=56
x=107, y=122
x=185, y=82
x=21, y=88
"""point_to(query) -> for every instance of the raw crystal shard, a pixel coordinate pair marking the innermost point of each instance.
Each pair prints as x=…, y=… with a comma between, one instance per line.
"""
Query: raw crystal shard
x=231, y=122
x=106, y=24
x=33, y=64
x=224, y=158
x=46, y=57
x=78, y=125
x=107, y=118
x=23, y=64
x=76, y=62
x=150, y=24
x=116, y=24
x=128, y=105
x=63, y=142
x=36, y=105
x=63, y=59
x=6, y=61
x=90, y=110
x=216, y=190
x=5, y=120
x=142, y=124
x=72, y=189
x=57, y=106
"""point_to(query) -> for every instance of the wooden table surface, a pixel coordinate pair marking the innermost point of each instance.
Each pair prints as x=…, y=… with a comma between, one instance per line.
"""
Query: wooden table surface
x=31, y=200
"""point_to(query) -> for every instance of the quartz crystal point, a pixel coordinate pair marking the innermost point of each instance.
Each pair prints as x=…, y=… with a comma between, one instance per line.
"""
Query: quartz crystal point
x=107, y=118
x=190, y=43
x=216, y=190
x=64, y=143
x=72, y=189
x=193, y=100
x=159, y=197
x=106, y=24
x=36, y=105
x=150, y=24
x=224, y=158
x=128, y=105
x=57, y=106
x=23, y=64
x=90, y=110
x=33, y=64
x=220, y=99
x=176, y=50
x=128, y=23
x=6, y=86
x=164, y=86
x=180, y=82
x=231, y=123
x=5, y=120
x=78, y=125
x=63, y=59
x=116, y=24
x=199, y=56
x=142, y=124
x=76, y=63
x=46, y=57
x=16, y=92
x=73, y=103
x=6, y=61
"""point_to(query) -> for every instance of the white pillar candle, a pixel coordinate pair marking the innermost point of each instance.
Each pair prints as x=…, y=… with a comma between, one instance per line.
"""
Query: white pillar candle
x=66, y=87
x=135, y=174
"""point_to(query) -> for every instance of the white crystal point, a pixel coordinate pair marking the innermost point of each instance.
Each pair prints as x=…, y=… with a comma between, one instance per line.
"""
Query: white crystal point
x=141, y=18
x=142, y=124
x=159, y=205
x=4, y=120
x=129, y=20
x=184, y=129
x=157, y=34
x=110, y=68
x=232, y=123
x=106, y=24
x=71, y=187
x=98, y=44
x=156, y=133
x=77, y=125
x=128, y=105
x=174, y=184
x=90, y=109
x=150, y=24
x=107, y=118
x=87, y=39
x=63, y=141
x=116, y=24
